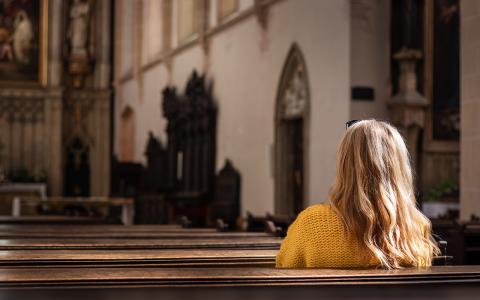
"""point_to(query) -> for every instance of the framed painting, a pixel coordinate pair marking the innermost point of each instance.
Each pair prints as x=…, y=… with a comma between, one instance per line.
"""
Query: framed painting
x=23, y=42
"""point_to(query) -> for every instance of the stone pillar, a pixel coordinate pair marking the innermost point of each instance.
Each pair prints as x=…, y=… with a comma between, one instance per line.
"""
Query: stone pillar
x=100, y=152
x=53, y=135
x=408, y=105
x=55, y=38
x=103, y=79
x=103, y=45
x=469, y=110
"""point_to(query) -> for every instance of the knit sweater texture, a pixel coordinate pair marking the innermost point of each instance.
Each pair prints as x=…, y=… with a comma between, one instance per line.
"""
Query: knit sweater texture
x=318, y=239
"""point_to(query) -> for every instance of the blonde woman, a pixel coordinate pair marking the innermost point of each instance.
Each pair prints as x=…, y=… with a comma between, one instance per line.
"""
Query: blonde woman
x=372, y=219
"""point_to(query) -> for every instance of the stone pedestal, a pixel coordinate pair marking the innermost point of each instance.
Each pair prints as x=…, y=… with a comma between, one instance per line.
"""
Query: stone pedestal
x=408, y=105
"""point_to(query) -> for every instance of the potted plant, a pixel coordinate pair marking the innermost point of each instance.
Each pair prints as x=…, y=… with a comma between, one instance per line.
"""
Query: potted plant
x=441, y=201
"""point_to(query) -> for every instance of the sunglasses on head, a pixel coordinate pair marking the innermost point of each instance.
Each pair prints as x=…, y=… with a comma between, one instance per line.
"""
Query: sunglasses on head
x=350, y=123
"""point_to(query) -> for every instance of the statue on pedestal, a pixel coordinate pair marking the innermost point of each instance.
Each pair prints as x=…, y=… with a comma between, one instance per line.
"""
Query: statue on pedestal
x=78, y=32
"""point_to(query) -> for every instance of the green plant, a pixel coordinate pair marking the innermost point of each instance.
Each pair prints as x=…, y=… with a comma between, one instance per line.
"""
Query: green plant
x=446, y=188
x=24, y=175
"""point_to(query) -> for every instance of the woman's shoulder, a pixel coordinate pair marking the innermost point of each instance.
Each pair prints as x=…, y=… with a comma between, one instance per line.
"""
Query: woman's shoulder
x=318, y=213
x=318, y=209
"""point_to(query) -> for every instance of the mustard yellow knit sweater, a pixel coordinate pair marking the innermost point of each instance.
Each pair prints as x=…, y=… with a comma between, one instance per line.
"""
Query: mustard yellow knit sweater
x=318, y=239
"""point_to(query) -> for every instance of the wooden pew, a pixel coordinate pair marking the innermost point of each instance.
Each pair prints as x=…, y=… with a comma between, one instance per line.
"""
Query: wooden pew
x=132, y=235
x=471, y=243
x=238, y=283
x=118, y=244
x=65, y=220
x=99, y=228
x=223, y=258
x=119, y=231
x=51, y=245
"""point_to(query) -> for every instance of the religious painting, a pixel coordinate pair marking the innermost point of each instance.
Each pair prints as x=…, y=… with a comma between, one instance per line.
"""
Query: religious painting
x=406, y=32
x=446, y=70
x=23, y=41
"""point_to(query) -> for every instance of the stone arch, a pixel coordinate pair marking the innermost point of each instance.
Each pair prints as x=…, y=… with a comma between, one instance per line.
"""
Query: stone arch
x=292, y=120
x=127, y=135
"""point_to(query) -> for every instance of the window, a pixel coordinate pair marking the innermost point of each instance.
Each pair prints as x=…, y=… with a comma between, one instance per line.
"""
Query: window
x=226, y=8
x=187, y=18
x=152, y=29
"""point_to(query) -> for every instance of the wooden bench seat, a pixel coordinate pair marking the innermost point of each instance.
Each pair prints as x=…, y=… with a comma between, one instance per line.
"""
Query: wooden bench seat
x=100, y=228
x=113, y=244
x=53, y=219
x=127, y=233
x=238, y=283
x=139, y=258
x=131, y=235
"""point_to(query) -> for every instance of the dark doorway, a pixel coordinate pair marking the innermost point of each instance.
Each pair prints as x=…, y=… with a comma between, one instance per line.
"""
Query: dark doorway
x=294, y=164
x=291, y=136
x=77, y=170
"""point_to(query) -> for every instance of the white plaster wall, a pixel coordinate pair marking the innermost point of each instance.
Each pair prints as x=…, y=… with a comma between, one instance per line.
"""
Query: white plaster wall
x=246, y=82
x=246, y=64
x=154, y=80
x=148, y=112
x=183, y=65
x=322, y=30
x=245, y=85
x=370, y=56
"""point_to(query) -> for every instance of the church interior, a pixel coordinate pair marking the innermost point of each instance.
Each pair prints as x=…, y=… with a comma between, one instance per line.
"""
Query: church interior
x=130, y=157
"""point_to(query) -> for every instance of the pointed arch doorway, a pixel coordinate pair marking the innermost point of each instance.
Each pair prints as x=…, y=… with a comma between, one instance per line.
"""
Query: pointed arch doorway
x=291, y=135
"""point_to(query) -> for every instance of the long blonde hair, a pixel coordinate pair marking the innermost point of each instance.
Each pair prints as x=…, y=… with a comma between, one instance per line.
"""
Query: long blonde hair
x=373, y=194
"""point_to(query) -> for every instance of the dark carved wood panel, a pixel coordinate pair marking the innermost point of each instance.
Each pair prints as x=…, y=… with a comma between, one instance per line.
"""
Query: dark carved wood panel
x=191, y=148
x=126, y=178
x=227, y=195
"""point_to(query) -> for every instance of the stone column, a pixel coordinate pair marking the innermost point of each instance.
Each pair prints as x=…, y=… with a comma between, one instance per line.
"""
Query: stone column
x=53, y=100
x=469, y=110
x=100, y=161
x=100, y=152
x=53, y=137
x=55, y=26
x=103, y=45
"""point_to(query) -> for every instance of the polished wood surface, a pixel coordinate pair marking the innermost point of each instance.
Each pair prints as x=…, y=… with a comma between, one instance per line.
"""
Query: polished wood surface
x=131, y=235
x=107, y=277
x=163, y=262
x=122, y=258
x=66, y=220
x=88, y=228
x=72, y=243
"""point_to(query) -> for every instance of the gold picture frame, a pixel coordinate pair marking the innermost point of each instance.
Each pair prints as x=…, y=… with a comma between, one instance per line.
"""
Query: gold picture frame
x=24, y=43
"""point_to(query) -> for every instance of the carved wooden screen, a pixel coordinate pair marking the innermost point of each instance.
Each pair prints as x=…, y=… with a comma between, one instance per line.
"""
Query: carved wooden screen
x=191, y=139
